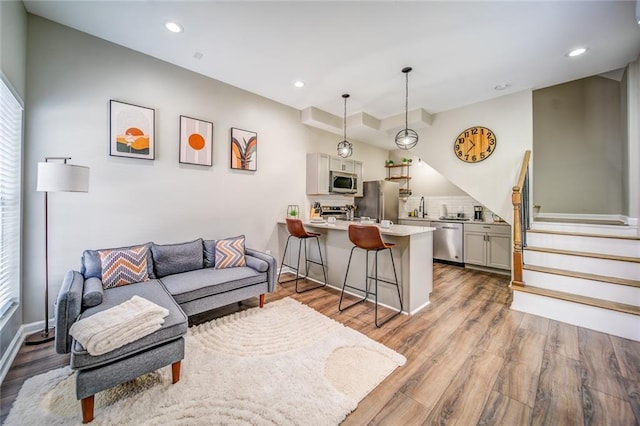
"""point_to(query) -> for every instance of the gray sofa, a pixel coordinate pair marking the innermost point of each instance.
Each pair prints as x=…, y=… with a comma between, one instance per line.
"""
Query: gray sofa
x=182, y=278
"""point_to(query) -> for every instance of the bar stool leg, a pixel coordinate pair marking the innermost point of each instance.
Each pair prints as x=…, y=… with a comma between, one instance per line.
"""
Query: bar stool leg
x=395, y=275
x=284, y=255
x=307, y=267
x=346, y=275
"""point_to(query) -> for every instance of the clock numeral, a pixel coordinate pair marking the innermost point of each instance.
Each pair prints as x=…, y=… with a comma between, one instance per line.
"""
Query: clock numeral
x=457, y=147
x=492, y=141
x=466, y=134
x=482, y=131
x=474, y=158
x=460, y=140
x=482, y=155
x=466, y=157
x=474, y=131
x=459, y=153
x=489, y=134
x=488, y=149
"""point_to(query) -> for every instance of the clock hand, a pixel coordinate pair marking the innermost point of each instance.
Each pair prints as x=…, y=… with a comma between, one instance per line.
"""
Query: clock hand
x=473, y=145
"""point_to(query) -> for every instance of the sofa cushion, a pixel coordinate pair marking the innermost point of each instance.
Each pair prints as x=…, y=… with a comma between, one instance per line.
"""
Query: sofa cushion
x=229, y=253
x=176, y=258
x=92, y=292
x=209, y=253
x=122, y=267
x=194, y=285
x=175, y=325
x=92, y=266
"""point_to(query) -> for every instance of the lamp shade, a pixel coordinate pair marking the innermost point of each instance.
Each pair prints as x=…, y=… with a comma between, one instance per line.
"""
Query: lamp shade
x=59, y=177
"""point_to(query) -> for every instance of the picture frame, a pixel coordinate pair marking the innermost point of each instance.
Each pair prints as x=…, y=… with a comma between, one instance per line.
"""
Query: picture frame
x=196, y=141
x=132, y=130
x=244, y=150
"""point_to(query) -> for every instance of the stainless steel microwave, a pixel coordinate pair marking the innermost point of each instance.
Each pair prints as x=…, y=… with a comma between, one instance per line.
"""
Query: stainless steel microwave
x=343, y=183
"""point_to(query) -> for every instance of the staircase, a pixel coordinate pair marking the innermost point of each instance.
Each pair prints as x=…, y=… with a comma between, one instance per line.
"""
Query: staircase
x=582, y=274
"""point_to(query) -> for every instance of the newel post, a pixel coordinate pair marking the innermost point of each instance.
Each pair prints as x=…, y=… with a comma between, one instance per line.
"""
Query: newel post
x=516, y=200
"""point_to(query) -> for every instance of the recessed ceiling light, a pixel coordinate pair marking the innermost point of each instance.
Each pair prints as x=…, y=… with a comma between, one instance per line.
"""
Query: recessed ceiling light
x=173, y=27
x=502, y=86
x=577, y=52
x=299, y=83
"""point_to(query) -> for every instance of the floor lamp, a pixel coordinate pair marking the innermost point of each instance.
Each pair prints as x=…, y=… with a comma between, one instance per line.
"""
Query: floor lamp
x=55, y=177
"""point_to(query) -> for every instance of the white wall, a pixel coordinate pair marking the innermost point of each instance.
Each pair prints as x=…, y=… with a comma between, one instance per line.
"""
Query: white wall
x=632, y=147
x=71, y=77
x=490, y=181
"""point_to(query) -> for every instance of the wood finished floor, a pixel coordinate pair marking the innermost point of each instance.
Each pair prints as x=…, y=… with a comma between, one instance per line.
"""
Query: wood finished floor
x=470, y=361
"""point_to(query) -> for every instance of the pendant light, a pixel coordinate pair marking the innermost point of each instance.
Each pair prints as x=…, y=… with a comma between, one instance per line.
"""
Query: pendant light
x=345, y=148
x=406, y=138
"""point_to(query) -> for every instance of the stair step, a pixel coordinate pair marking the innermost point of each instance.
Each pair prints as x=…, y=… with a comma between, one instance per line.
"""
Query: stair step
x=583, y=234
x=584, y=254
x=583, y=275
x=585, y=300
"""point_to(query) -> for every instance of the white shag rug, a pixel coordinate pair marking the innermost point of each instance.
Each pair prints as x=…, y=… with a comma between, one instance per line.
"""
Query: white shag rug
x=284, y=364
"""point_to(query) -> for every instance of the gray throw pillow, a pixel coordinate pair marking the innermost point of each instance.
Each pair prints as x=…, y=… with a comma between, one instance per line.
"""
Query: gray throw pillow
x=92, y=292
x=209, y=253
x=176, y=258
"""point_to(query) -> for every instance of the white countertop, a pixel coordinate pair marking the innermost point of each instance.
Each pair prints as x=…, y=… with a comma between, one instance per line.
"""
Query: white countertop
x=433, y=219
x=395, y=230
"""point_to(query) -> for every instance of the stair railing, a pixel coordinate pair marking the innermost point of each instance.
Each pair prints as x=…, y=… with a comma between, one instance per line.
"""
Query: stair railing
x=521, y=218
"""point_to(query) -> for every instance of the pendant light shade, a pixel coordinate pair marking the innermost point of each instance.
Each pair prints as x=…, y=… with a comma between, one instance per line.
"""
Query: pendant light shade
x=345, y=148
x=406, y=138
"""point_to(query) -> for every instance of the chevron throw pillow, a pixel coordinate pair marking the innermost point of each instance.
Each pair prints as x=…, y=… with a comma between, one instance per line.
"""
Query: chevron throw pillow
x=122, y=267
x=230, y=253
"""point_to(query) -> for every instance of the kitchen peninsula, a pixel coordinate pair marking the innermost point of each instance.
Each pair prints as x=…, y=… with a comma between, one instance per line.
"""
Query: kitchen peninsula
x=413, y=256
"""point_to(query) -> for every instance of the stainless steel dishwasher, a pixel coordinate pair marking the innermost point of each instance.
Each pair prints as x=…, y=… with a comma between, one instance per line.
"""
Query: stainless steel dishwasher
x=447, y=241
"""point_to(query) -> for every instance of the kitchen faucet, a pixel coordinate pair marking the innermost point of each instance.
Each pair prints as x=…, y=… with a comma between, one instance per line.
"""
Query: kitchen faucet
x=422, y=209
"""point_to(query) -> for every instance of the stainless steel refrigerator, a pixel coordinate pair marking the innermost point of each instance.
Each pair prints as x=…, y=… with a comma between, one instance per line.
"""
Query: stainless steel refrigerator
x=380, y=200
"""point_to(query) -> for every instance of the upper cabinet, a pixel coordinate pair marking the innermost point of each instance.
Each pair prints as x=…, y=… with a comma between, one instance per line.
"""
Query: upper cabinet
x=338, y=164
x=319, y=168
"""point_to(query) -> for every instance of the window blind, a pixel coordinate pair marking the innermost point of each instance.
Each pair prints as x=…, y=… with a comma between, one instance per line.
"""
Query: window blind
x=10, y=189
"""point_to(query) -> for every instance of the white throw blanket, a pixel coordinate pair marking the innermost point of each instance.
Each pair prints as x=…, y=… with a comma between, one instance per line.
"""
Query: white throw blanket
x=117, y=326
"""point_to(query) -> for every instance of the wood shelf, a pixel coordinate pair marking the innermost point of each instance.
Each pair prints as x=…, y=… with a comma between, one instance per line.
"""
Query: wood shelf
x=403, y=180
x=392, y=166
x=398, y=178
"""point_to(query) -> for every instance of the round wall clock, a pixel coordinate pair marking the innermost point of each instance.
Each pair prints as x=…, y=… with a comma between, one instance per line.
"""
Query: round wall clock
x=474, y=144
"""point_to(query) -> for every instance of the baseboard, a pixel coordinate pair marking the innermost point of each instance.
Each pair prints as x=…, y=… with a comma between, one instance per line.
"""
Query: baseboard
x=16, y=343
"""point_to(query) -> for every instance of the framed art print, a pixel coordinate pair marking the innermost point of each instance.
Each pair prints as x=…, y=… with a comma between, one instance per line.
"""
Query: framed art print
x=132, y=131
x=244, y=149
x=196, y=140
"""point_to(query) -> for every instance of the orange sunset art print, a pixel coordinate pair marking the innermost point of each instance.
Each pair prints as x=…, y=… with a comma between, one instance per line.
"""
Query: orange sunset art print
x=132, y=130
x=196, y=140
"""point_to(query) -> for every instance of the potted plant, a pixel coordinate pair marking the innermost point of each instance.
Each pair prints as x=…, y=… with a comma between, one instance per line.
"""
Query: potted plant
x=389, y=162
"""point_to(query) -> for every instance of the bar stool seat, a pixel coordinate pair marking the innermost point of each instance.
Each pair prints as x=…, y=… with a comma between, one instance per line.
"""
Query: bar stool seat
x=296, y=229
x=368, y=238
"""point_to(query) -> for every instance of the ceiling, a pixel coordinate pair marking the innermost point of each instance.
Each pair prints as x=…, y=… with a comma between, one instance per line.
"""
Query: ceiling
x=459, y=51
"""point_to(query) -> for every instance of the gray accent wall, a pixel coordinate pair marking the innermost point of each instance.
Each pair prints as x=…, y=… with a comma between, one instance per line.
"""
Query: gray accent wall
x=13, y=60
x=578, y=148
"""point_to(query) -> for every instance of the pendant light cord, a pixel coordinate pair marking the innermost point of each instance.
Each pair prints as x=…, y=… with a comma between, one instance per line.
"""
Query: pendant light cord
x=345, y=117
x=406, y=102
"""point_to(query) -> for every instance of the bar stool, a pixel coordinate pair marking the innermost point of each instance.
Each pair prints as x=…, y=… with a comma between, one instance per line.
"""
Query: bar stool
x=368, y=238
x=296, y=229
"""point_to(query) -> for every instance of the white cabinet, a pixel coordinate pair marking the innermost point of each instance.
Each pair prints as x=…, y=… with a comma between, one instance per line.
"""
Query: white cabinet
x=487, y=245
x=358, y=172
x=317, y=174
x=338, y=164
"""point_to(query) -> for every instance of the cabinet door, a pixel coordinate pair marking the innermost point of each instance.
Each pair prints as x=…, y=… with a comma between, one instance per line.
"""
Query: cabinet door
x=474, y=248
x=317, y=174
x=335, y=164
x=499, y=251
x=348, y=166
x=358, y=172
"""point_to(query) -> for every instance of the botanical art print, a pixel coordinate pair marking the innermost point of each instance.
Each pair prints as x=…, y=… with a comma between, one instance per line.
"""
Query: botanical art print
x=196, y=140
x=244, y=149
x=132, y=131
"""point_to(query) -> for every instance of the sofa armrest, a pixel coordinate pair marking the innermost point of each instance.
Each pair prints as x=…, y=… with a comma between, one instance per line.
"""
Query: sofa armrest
x=68, y=308
x=273, y=266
